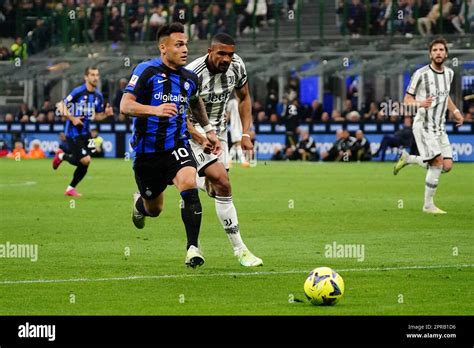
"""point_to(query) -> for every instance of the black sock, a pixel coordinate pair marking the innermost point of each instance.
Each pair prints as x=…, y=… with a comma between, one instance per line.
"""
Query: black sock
x=191, y=213
x=70, y=158
x=79, y=174
x=141, y=207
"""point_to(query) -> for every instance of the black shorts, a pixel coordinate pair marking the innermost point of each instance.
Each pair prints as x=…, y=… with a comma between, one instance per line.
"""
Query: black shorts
x=155, y=171
x=80, y=146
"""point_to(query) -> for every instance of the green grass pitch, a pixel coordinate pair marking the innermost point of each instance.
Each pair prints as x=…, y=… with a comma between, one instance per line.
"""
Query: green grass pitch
x=414, y=264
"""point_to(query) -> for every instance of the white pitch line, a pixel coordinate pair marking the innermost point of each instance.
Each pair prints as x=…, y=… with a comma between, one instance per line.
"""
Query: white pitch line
x=174, y=276
x=26, y=183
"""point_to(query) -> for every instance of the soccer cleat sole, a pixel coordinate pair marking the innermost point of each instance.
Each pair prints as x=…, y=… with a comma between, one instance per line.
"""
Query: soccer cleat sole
x=195, y=262
x=139, y=223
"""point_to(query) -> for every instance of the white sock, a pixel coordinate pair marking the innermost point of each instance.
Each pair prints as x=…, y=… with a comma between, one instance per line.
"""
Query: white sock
x=227, y=215
x=232, y=154
x=69, y=187
x=417, y=160
x=61, y=155
x=431, y=184
x=241, y=155
x=200, y=180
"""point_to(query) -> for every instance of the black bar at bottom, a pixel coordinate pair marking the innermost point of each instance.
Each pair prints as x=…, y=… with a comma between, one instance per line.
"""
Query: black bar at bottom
x=426, y=331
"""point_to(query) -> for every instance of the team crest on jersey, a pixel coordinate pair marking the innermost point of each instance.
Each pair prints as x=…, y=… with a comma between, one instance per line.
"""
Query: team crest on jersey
x=133, y=80
x=186, y=85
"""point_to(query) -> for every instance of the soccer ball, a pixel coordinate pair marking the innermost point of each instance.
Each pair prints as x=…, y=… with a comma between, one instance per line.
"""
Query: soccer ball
x=324, y=286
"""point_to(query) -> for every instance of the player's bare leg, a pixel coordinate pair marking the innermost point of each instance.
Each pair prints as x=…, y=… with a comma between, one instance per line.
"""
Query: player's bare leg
x=191, y=213
x=205, y=185
x=227, y=214
x=406, y=159
x=447, y=165
x=81, y=170
x=145, y=207
x=431, y=184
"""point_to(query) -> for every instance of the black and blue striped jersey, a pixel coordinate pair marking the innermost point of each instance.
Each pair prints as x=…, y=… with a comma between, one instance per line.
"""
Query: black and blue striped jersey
x=81, y=102
x=154, y=83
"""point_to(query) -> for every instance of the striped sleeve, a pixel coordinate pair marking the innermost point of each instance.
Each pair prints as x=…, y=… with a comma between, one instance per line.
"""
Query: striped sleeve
x=242, y=71
x=194, y=84
x=414, y=83
x=71, y=97
x=139, y=79
x=99, y=105
x=196, y=64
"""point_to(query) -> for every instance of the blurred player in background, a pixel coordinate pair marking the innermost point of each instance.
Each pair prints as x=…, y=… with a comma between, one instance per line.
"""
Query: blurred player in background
x=429, y=91
x=84, y=104
x=233, y=117
x=98, y=150
x=221, y=72
x=157, y=97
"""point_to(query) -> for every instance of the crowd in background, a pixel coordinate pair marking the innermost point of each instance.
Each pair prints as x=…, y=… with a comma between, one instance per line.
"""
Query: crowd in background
x=406, y=17
x=294, y=114
x=302, y=146
x=288, y=111
x=291, y=112
x=34, y=150
x=50, y=22
x=139, y=20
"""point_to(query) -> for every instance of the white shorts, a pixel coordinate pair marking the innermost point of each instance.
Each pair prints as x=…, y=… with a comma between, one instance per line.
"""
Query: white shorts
x=204, y=160
x=431, y=145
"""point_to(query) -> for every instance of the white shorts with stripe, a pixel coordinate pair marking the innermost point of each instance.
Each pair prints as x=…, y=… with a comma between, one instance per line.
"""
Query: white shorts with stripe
x=431, y=145
x=204, y=160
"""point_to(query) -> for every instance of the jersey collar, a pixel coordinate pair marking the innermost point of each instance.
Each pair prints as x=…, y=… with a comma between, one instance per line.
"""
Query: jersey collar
x=435, y=71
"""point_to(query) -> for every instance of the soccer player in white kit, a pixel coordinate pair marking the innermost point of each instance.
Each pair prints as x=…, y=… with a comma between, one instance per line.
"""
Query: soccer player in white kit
x=220, y=72
x=429, y=91
x=235, y=129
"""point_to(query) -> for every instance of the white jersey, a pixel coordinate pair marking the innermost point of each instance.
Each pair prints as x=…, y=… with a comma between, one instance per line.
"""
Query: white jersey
x=215, y=89
x=425, y=83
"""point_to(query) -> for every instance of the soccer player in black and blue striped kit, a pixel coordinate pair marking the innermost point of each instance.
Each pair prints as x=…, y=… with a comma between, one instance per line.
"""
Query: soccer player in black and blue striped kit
x=83, y=104
x=157, y=97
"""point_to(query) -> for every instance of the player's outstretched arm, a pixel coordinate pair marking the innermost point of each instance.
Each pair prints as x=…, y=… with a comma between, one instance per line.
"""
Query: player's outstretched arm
x=63, y=110
x=457, y=114
x=198, y=137
x=130, y=107
x=109, y=111
x=245, y=112
x=410, y=100
x=198, y=110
